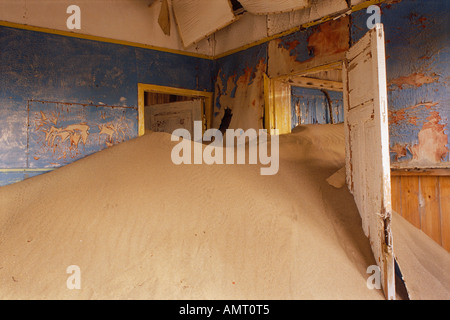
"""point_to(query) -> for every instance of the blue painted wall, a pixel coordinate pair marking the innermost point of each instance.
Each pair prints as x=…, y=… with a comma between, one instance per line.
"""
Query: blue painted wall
x=417, y=60
x=417, y=52
x=56, y=81
x=310, y=106
x=239, y=77
x=96, y=76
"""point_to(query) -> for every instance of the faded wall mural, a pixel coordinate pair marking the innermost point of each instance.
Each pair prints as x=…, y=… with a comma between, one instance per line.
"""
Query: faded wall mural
x=60, y=133
x=62, y=98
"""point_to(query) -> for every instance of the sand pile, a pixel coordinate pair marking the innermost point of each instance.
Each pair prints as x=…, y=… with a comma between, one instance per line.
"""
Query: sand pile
x=424, y=264
x=140, y=227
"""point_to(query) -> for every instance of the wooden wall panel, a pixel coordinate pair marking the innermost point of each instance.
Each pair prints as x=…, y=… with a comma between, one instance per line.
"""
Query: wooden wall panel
x=424, y=200
x=152, y=98
x=429, y=209
x=396, y=192
x=444, y=187
x=410, y=199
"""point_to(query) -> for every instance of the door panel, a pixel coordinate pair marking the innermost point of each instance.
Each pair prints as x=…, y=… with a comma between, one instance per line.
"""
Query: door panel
x=168, y=117
x=367, y=146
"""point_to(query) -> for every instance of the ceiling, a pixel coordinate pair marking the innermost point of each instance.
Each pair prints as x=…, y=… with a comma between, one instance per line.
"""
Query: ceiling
x=197, y=19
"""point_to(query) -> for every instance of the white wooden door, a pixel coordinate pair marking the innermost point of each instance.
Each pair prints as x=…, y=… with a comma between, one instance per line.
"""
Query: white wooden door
x=168, y=117
x=367, y=146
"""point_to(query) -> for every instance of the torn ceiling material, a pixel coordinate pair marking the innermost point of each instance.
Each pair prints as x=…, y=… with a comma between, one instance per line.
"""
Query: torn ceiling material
x=272, y=7
x=164, y=18
x=197, y=19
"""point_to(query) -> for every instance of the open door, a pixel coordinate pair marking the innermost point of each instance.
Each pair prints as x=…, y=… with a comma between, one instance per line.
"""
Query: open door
x=367, y=146
x=168, y=117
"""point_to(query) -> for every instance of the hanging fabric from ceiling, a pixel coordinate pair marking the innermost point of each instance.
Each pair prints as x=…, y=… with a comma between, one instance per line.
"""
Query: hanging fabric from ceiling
x=197, y=19
x=164, y=17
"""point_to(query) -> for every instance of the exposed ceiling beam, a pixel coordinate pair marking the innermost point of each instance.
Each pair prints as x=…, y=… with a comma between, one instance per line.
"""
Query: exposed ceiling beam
x=271, y=7
x=314, y=83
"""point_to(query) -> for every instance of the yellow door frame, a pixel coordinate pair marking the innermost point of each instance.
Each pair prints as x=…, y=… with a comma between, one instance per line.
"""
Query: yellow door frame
x=269, y=117
x=277, y=100
x=142, y=88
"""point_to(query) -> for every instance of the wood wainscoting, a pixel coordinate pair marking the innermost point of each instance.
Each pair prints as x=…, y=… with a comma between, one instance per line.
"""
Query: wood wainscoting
x=423, y=198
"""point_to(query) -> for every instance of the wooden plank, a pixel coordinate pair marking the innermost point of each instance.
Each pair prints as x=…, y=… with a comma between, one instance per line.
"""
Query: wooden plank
x=197, y=19
x=444, y=187
x=410, y=200
x=316, y=83
x=368, y=156
x=273, y=7
x=282, y=106
x=269, y=117
x=429, y=207
x=141, y=110
x=365, y=112
x=279, y=69
x=332, y=75
x=420, y=172
x=164, y=18
x=360, y=85
x=396, y=194
x=27, y=170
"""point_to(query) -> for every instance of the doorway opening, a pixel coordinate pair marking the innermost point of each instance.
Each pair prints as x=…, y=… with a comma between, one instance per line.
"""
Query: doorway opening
x=312, y=96
x=317, y=98
x=367, y=162
x=164, y=109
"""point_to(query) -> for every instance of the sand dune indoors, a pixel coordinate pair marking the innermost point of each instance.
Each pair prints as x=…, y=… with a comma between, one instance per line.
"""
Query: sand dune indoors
x=140, y=227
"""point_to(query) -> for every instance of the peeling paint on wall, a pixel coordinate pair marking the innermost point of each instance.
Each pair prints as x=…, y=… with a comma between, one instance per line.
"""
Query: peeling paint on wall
x=239, y=77
x=417, y=74
x=411, y=114
x=432, y=147
x=399, y=150
x=412, y=80
x=431, y=144
x=93, y=86
x=330, y=38
x=240, y=87
x=289, y=53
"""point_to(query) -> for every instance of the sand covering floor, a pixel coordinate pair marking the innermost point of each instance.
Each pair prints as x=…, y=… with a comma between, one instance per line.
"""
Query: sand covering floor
x=140, y=227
